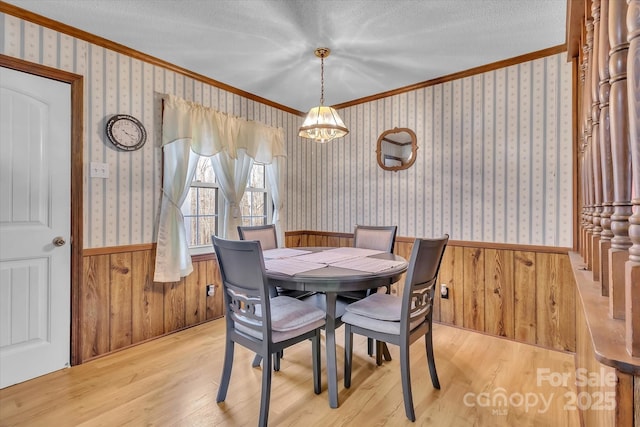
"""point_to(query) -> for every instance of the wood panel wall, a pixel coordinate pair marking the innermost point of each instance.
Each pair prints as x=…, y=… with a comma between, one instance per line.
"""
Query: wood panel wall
x=525, y=295
x=121, y=305
x=521, y=293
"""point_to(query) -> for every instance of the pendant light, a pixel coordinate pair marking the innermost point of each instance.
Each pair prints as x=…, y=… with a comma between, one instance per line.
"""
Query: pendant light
x=322, y=123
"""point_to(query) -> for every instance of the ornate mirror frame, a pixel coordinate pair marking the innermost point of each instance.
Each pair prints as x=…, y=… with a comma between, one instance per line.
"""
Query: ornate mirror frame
x=383, y=157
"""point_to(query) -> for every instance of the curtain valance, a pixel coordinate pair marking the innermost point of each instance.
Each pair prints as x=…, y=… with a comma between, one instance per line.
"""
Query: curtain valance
x=212, y=131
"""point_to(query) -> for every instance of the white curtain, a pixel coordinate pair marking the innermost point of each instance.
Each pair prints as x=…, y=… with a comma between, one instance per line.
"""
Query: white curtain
x=276, y=187
x=232, y=175
x=173, y=261
x=191, y=130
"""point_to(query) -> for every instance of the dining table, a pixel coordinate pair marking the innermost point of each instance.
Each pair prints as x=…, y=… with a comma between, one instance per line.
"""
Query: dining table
x=329, y=272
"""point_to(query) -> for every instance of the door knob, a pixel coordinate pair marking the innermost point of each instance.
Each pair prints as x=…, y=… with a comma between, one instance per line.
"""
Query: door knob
x=59, y=241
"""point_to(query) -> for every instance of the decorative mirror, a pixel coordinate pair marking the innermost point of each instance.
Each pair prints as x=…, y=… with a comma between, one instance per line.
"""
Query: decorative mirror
x=397, y=149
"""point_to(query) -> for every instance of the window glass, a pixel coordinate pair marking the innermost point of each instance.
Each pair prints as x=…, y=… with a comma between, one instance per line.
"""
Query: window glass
x=203, y=207
x=254, y=207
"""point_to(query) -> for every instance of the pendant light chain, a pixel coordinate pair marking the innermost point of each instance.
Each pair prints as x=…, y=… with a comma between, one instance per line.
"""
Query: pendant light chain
x=322, y=79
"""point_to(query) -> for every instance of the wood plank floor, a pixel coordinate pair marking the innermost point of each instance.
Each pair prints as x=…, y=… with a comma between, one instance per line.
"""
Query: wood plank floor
x=172, y=381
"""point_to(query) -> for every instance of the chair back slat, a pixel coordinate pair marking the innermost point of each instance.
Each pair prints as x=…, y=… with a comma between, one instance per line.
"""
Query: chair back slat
x=244, y=309
x=421, y=302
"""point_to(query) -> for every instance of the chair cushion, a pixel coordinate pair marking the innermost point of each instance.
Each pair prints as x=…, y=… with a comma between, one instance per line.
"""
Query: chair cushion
x=289, y=313
x=290, y=317
x=378, y=312
x=378, y=306
x=385, y=326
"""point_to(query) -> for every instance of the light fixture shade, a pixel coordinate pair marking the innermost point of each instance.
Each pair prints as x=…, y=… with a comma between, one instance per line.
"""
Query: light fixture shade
x=323, y=124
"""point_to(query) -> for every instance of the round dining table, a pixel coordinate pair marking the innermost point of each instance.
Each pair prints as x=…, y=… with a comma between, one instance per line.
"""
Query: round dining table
x=329, y=281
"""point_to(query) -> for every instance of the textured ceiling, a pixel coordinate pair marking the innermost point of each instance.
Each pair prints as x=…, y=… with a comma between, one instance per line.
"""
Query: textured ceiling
x=265, y=47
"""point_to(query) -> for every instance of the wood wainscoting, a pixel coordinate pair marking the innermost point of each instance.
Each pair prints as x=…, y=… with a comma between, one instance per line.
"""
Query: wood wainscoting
x=121, y=305
x=525, y=293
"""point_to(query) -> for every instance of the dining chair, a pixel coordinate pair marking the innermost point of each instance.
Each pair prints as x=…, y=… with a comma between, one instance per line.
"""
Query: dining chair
x=266, y=235
x=382, y=238
x=400, y=320
x=263, y=324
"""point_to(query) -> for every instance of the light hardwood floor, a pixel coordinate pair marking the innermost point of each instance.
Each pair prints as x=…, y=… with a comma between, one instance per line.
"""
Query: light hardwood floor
x=172, y=381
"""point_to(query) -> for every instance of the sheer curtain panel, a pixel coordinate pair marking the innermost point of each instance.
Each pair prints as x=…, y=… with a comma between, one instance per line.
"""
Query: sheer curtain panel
x=274, y=172
x=232, y=175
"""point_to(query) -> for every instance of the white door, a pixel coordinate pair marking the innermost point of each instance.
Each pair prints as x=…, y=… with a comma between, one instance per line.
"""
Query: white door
x=35, y=214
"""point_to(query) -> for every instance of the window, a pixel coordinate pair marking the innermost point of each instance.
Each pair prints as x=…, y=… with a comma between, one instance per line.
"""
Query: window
x=201, y=208
x=204, y=205
x=255, y=206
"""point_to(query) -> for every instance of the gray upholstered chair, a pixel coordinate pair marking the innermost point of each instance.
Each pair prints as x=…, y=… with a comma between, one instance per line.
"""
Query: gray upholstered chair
x=382, y=238
x=254, y=320
x=266, y=235
x=400, y=320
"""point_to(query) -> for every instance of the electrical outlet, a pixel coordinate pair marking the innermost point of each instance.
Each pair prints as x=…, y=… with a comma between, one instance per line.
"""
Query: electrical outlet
x=211, y=290
x=444, y=291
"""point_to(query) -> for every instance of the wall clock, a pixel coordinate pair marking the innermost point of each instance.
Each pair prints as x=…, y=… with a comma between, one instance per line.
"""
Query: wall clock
x=126, y=132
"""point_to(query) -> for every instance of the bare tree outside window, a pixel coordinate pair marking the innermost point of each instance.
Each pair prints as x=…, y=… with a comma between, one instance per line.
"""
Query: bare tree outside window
x=200, y=208
x=253, y=206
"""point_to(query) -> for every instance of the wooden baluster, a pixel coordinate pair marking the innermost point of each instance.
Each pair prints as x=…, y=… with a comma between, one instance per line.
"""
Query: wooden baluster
x=581, y=177
x=585, y=196
x=584, y=184
x=587, y=126
x=619, y=121
x=632, y=267
x=605, y=147
x=585, y=202
x=595, y=142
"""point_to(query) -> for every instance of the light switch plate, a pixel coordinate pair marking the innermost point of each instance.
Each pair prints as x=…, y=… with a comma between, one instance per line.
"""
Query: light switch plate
x=99, y=170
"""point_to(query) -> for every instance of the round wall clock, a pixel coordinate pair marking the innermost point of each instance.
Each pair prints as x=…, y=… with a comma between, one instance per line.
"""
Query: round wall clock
x=126, y=132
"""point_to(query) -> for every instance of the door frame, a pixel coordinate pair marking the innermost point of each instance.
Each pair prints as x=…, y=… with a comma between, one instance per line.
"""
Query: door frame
x=76, y=82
